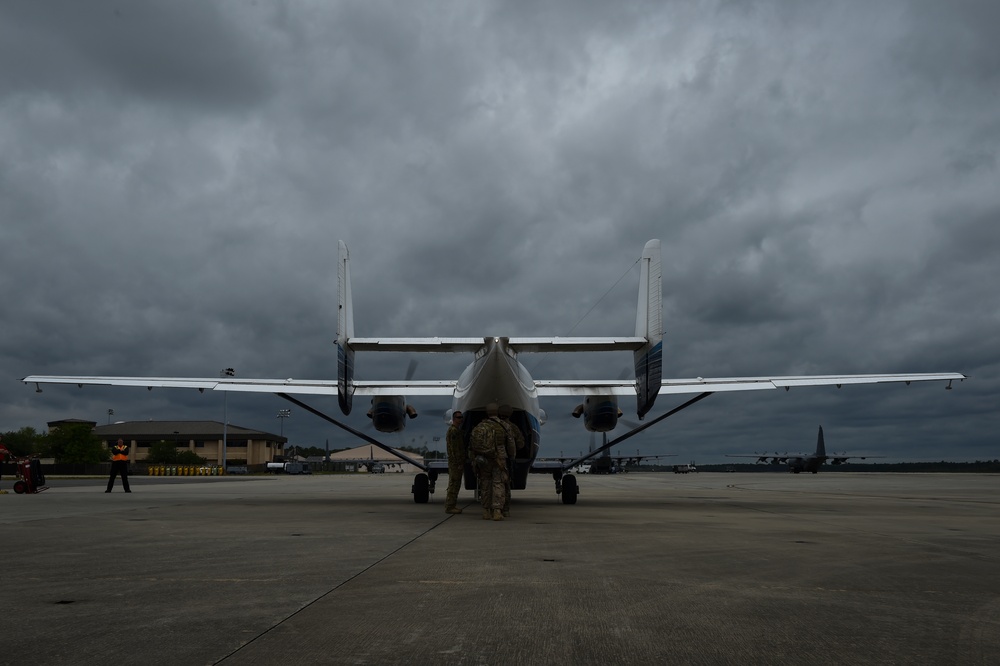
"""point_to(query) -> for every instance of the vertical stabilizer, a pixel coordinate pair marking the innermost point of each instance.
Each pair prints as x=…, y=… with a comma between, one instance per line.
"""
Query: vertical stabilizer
x=649, y=324
x=820, y=446
x=345, y=331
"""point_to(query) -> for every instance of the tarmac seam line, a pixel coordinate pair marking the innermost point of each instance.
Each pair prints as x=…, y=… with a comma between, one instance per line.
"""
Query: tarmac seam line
x=334, y=589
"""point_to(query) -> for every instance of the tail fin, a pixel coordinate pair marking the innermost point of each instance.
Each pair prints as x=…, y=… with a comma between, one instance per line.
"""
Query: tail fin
x=820, y=446
x=649, y=324
x=345, y=331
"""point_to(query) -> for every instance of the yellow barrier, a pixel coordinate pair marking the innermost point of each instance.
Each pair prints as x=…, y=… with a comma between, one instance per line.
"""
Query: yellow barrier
x=185, y=470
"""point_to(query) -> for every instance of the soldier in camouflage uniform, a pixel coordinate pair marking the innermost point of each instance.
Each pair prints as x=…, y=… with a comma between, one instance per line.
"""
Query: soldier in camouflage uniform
x=489, y=446
x=517, y=439
x=456, y=463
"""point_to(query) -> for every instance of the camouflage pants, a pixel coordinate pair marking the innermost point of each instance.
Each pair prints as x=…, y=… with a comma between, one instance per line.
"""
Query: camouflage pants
x=455, y=471
x=492, y=486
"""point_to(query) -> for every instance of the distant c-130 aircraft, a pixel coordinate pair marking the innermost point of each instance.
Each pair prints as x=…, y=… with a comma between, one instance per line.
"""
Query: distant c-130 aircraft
x=803, y=462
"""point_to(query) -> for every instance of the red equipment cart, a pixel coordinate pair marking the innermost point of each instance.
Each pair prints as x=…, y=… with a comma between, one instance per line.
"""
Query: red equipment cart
x=29, y=474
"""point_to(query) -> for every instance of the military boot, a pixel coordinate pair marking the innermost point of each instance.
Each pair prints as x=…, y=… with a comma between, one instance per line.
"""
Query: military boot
x=497, y=514
x=452, y=509
x=487, y=514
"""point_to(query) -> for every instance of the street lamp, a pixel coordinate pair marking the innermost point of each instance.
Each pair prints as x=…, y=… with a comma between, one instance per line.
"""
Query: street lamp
x=283, y=414
x=228, y=372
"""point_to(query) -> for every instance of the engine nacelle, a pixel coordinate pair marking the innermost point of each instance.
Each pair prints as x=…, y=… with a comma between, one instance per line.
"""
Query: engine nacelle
x=389, y=412
x=600, y=413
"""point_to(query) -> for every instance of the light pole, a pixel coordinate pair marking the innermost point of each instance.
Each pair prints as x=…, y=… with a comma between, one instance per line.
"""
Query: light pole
x=228, y=372
x=283, y=414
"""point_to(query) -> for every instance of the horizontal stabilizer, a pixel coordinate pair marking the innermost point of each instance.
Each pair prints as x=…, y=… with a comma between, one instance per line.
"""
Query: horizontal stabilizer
x=473, y=345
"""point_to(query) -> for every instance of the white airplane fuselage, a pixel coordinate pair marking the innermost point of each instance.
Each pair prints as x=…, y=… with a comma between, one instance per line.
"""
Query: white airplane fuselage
x=496, y=376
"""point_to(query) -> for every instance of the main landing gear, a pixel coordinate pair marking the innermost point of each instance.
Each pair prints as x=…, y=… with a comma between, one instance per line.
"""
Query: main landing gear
x=567, y=487
x=423, y=486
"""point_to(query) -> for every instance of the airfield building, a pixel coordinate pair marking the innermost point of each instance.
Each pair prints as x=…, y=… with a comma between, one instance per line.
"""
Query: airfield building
x=202, y=437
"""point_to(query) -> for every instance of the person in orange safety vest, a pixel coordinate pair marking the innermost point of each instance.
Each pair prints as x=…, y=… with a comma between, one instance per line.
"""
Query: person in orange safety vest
x=119, y=465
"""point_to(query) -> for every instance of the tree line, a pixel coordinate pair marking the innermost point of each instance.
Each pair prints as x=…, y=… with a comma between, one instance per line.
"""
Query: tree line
x=77, y=444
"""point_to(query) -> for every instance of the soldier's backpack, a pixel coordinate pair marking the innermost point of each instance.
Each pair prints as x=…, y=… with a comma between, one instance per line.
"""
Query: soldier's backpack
x=483, y=440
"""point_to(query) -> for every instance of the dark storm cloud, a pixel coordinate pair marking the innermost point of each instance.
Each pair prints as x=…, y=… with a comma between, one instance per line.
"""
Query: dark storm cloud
x=174, y=178
x=177, y=53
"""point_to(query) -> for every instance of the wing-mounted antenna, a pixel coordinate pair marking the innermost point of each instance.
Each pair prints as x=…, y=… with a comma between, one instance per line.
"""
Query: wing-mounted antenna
x=345, y=331
x=649, y=324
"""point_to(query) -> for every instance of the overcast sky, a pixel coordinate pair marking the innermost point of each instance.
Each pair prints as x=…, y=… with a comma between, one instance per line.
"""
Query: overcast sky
x=175, y=176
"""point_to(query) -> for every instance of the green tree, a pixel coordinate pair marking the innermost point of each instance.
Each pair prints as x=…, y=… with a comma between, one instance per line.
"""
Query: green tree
x=189, y=457
x=167, y=453
x=75, y=444
x=162, y=453
x=23, y=442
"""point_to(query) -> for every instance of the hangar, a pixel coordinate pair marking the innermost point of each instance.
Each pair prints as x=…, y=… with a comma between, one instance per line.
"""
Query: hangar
x=204, y=438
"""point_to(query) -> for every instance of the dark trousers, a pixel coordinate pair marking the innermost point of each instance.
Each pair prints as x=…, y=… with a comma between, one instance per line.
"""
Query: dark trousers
x=119, y=467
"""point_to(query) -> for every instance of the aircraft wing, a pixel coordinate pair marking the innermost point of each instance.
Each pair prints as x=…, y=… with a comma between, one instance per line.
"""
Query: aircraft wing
x=297, y=386
x=447, y=387
x=542, y=465
x=636, y=459
x=289, y=386
x=719, y=384
x=837, y=459
x=773, y=458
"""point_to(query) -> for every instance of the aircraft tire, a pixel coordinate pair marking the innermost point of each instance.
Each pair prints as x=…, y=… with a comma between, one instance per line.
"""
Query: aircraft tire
x=421, y=489
x=569, y=489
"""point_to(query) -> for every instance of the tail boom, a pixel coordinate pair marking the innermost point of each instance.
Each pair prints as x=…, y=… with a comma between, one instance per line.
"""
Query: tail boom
x=649, y=325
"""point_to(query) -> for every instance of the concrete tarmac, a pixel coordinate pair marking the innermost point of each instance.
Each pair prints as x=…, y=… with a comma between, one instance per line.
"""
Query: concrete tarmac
x=646, y=569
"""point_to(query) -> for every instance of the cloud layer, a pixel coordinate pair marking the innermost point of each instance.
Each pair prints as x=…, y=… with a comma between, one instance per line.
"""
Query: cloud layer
x=174, y=179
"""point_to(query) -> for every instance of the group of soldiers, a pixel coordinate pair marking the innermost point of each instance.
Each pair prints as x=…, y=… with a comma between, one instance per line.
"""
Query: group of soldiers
x=493, y=444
